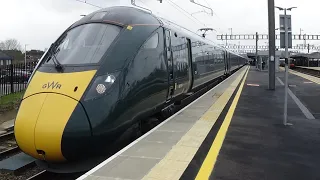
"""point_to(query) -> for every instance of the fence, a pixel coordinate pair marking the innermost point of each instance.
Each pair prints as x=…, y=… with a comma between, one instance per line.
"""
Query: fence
x=14, y=77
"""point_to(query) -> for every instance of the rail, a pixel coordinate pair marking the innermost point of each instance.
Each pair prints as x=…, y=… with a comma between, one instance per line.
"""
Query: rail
x=8, y=144
x=312, y=72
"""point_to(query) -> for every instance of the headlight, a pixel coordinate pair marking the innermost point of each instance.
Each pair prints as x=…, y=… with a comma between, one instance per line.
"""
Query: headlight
x=101, y=85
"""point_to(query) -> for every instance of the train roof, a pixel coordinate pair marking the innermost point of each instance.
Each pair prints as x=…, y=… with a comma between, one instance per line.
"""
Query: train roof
x=125, y=15
x=120, y=15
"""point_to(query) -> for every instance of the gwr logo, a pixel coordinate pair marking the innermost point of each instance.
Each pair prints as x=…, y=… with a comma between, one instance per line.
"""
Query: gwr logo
x=51, y=85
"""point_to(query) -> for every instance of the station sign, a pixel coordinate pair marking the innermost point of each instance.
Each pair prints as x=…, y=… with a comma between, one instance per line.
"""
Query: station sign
x=282, y=31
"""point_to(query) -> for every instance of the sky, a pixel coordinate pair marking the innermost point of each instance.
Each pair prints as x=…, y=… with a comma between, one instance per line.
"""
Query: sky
x=38, y=23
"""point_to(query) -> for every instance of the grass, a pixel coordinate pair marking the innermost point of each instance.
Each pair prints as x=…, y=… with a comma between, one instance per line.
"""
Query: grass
x=10, y=102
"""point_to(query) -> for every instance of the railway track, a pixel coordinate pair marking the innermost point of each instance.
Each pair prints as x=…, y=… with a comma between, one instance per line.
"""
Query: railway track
x=310, y=72
x=41, y=175
x=6, y=136
x=8, y=145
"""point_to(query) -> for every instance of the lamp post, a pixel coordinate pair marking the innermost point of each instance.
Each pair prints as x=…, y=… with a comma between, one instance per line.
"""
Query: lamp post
x=25, y=58
x=230, y=30
x=285, y=114
x=304, y=37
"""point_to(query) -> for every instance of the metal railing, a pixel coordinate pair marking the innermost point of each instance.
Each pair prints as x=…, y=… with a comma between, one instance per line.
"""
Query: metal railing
x=14, y=77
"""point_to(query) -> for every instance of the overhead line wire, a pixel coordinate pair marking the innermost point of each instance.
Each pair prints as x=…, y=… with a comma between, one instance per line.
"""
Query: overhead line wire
x=163, y=18
x=174, y=6
x=185, y=12
x=215, y=14
x=90, y=4
x=207, y=3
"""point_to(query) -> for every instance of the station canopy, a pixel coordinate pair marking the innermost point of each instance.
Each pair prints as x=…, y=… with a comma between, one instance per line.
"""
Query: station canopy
x=315, y=55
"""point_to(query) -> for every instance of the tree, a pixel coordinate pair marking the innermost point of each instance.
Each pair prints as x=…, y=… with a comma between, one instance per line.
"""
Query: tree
x=10, y=44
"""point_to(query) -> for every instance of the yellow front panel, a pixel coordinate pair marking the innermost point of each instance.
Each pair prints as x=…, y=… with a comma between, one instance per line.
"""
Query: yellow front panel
x=52, y=120
x=71, y=84
x=26, y=122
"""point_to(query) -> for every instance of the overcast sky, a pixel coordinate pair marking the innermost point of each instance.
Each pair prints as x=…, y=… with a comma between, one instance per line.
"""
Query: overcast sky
x=39, y=22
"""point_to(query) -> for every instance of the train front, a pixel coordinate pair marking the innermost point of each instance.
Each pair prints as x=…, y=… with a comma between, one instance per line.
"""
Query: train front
x=52, y=123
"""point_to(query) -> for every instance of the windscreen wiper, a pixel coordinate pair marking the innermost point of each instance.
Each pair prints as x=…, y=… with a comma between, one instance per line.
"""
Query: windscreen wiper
x=56, y=62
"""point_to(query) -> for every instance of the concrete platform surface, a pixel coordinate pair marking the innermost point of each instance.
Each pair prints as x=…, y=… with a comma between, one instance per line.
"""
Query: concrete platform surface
x=306, y=90
x=258, y=146
x=165, y=152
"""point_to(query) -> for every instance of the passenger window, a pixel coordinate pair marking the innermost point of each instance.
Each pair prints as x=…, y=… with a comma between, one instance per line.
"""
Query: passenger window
x=152, y=43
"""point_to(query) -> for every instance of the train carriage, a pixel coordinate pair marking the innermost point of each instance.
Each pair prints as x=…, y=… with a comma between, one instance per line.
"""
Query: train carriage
x=104, y=74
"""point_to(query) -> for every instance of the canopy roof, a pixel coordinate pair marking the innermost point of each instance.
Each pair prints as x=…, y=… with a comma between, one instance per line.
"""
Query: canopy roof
x=315, y=55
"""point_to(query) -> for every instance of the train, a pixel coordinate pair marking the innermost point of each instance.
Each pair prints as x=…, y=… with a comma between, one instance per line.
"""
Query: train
x=107, y=72
x=292, y=63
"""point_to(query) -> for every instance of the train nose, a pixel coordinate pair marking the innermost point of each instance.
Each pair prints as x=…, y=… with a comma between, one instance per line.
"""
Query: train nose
x=43, y=121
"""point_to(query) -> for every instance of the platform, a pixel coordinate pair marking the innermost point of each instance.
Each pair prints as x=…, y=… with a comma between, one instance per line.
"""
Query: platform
x=169, y=148
x=234, y=131
x=312, y=68
x=258, y=146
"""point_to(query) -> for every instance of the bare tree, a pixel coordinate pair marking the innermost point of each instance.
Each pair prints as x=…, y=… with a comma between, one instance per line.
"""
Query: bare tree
x=2, y=46
x=10, y=44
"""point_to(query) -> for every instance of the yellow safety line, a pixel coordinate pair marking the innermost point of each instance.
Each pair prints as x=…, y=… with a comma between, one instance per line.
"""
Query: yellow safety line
x=210, y=160
x=179, y=157
x=305, y=76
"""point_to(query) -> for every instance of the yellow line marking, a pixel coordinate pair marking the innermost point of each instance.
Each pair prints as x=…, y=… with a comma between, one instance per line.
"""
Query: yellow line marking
x=211, y=158
x=313, y=68
x=305, y=76
x=178, y=158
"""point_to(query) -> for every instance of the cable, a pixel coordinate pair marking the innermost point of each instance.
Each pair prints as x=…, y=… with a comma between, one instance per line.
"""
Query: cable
x=199, y=22
x=185, y=12
x=207, y=3
x=90, y=4
x=170, y=2
x=215, y=14
x=176, y=24
x=142, y=2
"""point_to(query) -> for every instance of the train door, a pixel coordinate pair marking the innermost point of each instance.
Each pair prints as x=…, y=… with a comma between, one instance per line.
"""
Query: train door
x=180, y=63
x=226, y=62
x=229, y=62
x=191, y=78
x=170, y=64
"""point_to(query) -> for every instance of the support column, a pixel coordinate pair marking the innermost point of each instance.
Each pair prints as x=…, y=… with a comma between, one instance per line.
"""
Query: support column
x=272, y=45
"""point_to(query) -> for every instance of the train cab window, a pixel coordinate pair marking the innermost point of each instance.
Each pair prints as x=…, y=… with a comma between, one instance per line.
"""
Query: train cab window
x=152, y=43
x=85, y=44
